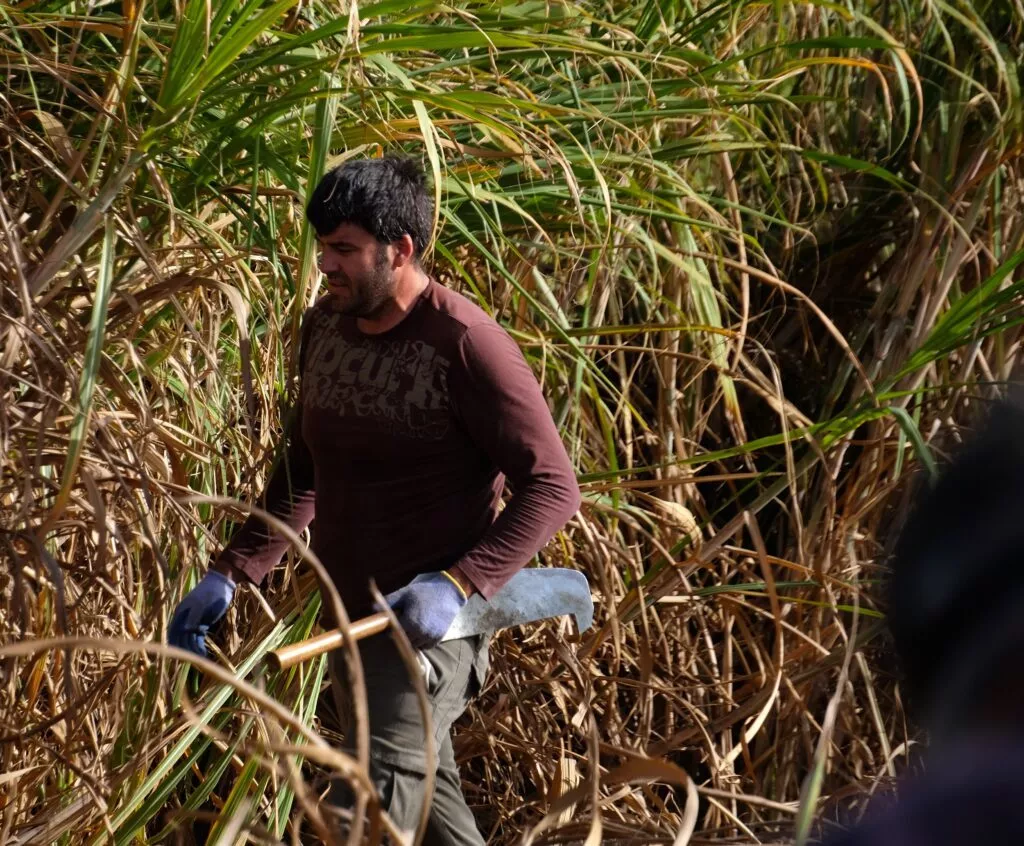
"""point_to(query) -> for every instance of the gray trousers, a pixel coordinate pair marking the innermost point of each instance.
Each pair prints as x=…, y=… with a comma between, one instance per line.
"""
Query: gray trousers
x=398, y=762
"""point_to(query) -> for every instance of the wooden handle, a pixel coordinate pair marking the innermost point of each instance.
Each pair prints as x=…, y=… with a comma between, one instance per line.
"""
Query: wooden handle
x=295, y=653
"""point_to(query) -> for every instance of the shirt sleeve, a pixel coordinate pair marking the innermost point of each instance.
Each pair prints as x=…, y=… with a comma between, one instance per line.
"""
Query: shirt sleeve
x=290, y=495
x=500, y=403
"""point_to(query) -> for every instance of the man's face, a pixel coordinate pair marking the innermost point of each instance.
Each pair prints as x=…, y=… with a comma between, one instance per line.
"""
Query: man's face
x=358, y=270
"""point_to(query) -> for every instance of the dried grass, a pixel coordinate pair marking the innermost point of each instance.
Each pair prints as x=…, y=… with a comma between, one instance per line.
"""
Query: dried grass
x=746, y=385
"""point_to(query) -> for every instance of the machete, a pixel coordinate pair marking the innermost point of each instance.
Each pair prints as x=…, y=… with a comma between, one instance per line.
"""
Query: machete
x=529, y=596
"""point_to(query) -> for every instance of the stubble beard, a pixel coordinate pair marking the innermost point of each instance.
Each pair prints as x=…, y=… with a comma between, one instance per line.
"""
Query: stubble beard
x=370, y=293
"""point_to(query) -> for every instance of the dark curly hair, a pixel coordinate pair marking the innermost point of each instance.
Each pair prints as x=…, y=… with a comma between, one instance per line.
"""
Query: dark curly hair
x=387, y=197
x=956, y=596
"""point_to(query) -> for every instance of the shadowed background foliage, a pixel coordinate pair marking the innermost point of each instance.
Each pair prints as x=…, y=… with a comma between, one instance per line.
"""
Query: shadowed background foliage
x=762, y=256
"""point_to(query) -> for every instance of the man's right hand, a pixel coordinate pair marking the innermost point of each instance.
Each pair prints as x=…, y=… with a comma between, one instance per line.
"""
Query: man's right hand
x=201, y=608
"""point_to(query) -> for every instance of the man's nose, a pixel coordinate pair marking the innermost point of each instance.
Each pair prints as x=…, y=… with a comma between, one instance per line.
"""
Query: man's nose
x=327, y=263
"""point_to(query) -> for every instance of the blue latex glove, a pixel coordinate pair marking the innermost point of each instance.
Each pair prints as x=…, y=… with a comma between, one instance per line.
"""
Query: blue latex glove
x=204, y=605
x=426, y=607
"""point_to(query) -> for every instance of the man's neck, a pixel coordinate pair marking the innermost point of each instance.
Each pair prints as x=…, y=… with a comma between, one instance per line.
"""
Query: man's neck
x=395, y=310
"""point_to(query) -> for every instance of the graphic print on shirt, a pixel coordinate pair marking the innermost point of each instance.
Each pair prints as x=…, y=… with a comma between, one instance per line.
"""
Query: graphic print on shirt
x=401, y=385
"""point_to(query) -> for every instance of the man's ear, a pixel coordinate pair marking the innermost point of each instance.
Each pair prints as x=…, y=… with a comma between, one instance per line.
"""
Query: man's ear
x=405, y=251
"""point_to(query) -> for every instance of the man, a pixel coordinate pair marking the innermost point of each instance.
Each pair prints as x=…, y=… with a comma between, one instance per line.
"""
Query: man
x=415, y=407
x=956, y=612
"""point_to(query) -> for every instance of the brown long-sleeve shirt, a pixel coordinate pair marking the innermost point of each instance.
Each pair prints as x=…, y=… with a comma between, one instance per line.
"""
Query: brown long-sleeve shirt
x=401, y=447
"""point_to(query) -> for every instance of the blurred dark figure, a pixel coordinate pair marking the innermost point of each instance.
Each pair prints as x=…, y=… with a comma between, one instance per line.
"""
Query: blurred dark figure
x=956, y=610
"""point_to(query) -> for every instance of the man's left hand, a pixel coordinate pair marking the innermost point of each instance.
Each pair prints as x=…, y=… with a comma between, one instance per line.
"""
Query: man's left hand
x=427, y=607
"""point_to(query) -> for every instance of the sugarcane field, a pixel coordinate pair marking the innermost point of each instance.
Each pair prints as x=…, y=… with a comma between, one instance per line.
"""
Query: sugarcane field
x=522, y=423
